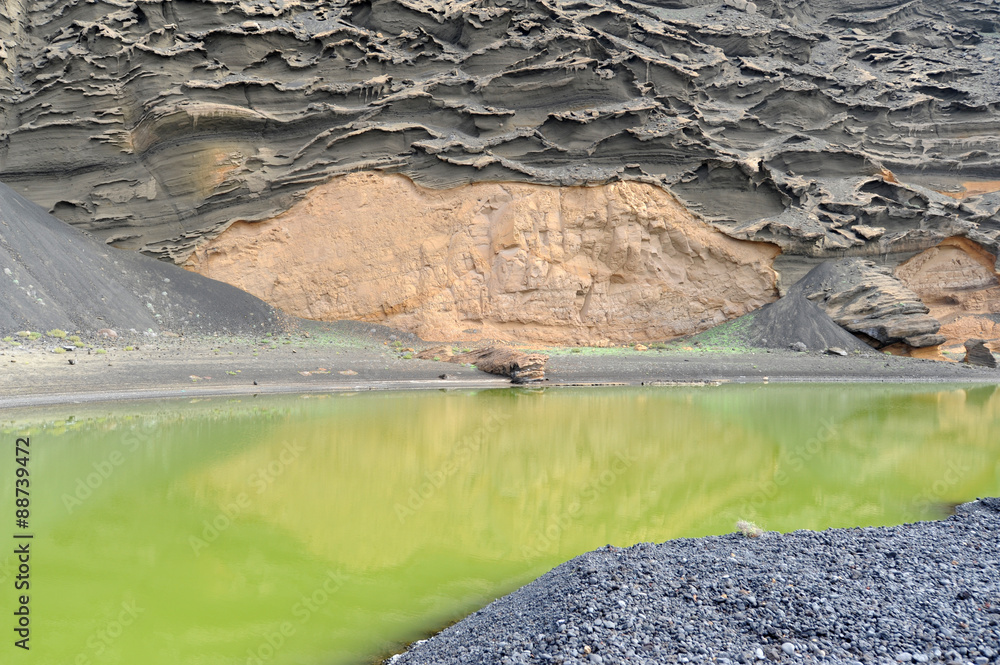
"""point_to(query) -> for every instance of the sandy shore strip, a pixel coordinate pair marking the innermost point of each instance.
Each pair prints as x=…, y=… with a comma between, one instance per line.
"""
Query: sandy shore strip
x=354, y=356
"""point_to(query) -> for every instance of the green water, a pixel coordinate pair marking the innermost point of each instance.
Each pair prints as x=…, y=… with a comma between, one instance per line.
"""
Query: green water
x=335, y=529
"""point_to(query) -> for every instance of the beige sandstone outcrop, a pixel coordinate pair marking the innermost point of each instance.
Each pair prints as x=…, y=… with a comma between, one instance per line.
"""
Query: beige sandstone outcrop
x=957, y=281
x=623, y=261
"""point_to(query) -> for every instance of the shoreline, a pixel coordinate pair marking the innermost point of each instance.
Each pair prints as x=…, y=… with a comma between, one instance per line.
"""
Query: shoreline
x=352, y=356
x=178, y=392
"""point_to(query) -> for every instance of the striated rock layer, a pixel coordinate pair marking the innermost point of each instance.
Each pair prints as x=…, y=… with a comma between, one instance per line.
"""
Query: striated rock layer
x=826, y=127
x=867, y=300
x=623, y=261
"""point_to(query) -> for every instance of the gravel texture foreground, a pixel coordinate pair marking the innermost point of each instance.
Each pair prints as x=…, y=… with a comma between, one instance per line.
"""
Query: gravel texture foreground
x=925, y=592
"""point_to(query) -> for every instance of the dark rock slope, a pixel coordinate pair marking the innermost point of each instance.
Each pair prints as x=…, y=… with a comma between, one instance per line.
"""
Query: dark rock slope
x=55, y=276
x=852, y=304
x=926, y=592
x=870, y=302
x=825, y=126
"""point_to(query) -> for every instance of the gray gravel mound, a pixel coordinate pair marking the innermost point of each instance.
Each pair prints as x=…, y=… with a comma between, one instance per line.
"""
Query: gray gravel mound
x=54, y=276
x=794, y=319
x=924, y=592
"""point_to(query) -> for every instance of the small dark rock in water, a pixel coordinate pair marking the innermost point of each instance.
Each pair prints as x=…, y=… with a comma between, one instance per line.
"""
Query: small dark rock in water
x=799, y=346
x=976, y=353
x=836, y=351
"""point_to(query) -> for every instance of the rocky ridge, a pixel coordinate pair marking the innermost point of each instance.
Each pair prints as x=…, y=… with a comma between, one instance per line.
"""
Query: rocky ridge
x=870, y=302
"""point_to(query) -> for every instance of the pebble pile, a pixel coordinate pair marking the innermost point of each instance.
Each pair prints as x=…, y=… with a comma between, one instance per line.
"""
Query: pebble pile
x=924, y=592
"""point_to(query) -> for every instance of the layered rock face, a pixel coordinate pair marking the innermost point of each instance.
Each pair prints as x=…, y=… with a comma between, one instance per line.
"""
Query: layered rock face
x=825, y=127
x=618, y=262
x=867, y=300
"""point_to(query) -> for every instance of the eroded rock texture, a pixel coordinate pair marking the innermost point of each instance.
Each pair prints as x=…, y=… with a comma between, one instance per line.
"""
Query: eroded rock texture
x=867, y=300
x=958, y=282
x=976, y=353
x=616, y=262
x=520, y=366
x=824, y=126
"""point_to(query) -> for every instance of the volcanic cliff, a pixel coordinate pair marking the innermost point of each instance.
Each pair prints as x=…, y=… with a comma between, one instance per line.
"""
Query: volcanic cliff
x=556, y=171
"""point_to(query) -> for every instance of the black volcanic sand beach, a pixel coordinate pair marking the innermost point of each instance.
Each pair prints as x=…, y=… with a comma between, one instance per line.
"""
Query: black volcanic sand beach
x=317, y=357
x=925, y=592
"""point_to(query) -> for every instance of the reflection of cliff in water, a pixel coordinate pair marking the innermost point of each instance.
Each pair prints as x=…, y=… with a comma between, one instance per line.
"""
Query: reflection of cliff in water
x=219, y=517
x=638, y=465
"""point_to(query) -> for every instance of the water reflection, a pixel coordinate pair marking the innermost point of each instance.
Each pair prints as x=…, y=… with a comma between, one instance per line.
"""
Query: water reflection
x=329, y=530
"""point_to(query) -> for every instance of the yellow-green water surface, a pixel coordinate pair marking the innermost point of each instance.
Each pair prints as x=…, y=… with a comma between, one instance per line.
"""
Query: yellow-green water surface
x=334, y=529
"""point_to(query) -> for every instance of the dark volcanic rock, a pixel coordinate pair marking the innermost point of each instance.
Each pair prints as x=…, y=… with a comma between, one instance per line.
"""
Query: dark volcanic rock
x=55, y=276
x=823, y=126
x=976, y=353
x=867, y=299
x=923, y=592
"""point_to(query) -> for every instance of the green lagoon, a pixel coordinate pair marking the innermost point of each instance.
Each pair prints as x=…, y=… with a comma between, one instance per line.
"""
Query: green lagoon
x=328, y=529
